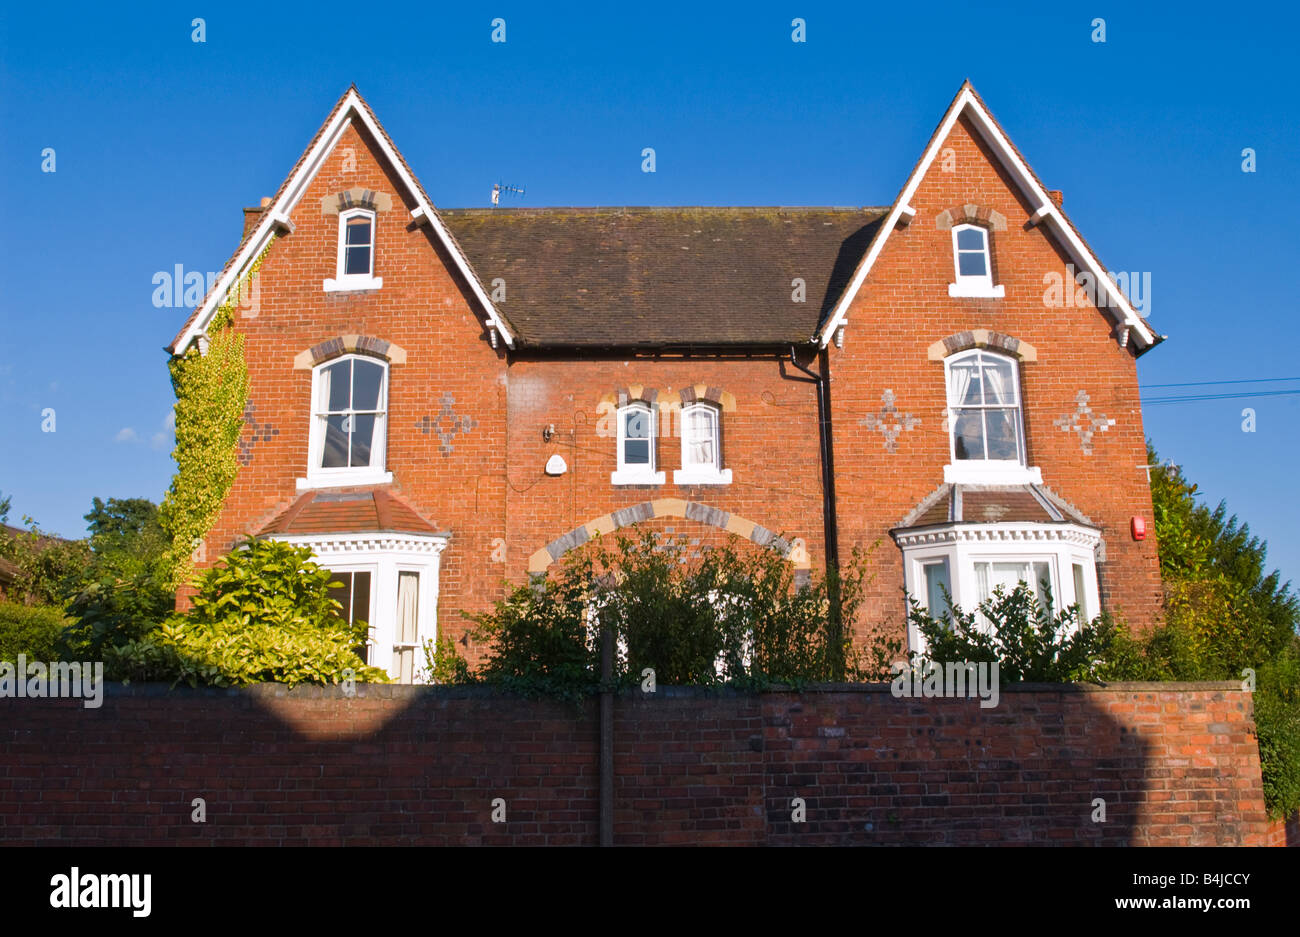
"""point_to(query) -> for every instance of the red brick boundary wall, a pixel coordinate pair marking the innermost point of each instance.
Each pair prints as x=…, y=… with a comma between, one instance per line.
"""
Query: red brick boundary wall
x=1175, y=764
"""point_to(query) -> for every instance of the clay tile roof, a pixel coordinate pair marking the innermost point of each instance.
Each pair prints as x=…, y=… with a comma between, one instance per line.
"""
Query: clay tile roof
x=992, y=504
x=619, y=277
x=347, y=512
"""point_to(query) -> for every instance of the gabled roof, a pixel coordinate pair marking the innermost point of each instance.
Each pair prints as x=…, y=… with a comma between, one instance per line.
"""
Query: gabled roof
x=351, y=106
x=968, y=102
x=628, y=277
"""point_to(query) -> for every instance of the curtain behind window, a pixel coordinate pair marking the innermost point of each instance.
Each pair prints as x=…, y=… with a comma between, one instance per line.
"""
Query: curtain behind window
x=408, y=630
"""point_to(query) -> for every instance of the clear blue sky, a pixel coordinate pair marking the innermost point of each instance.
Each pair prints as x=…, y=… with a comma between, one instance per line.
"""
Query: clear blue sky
x=160, y=141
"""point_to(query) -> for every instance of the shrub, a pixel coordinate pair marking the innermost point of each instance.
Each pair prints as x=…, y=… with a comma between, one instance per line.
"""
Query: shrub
x=264, y=614
x=722, y=618
x=30, y=629
x=1029, y=641
x=444, y=665
x=1277, y=724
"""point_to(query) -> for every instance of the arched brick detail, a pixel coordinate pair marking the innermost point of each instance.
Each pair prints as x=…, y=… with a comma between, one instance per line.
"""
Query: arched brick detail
x=347, y=344
x=982, y=338
x=668, y=507
x=355, y=198
x=970, y=213
x=724, y=400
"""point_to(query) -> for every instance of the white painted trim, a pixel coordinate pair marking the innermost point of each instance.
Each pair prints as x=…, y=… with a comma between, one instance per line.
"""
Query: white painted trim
x=280, y=210
x=984, y=472
x=355, y=281
x=1026, y=532
x=694, y=474
x=971, y=291
x=701, y=476
x=372, y=474
x=640, y=473
x=970, y=284
x=634, y=477
x=352, y=284
x=343, y=478
x=1047, y=208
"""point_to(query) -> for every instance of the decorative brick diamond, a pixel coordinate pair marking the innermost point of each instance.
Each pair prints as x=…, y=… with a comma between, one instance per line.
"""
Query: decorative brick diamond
x=446, y=424
x=262, y=432
x=889, y=422
x=1084, y=422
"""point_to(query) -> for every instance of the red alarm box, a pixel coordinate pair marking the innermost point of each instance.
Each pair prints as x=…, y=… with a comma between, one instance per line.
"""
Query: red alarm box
x=1139, y=527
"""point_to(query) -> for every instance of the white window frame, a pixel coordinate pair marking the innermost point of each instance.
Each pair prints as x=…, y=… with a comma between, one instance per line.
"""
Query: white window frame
x=354, y=281
x=968, y=285
x=986, y=471
x=964, y=545
x=373, y=474
x=692, y=474
x=385, y=554
x=373, y=570
x=637, y=473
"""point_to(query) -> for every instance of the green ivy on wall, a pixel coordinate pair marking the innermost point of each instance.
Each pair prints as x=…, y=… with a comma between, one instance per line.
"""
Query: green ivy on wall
x=211, y=394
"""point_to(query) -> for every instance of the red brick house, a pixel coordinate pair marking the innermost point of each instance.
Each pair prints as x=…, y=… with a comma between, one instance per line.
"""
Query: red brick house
x=445, y=400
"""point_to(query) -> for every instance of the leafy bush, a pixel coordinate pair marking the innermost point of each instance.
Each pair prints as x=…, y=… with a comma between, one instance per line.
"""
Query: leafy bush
x=1030, y=642
x=444, y=665
x=264, y=614
x=724, y=618
x=1277, y=724
x=30, y=629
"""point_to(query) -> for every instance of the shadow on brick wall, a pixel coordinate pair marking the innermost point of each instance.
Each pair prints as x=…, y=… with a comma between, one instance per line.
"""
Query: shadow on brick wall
x=842, y=765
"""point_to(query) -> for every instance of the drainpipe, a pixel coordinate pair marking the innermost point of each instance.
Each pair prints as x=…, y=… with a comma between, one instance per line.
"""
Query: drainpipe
x=606, y=735
x=829, y=521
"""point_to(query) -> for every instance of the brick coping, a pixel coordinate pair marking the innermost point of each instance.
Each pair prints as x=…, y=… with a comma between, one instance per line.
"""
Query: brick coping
x=398, y=691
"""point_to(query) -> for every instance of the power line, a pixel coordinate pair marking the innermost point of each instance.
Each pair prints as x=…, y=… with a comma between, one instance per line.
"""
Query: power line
x=1258, y=380
x=1185, y=398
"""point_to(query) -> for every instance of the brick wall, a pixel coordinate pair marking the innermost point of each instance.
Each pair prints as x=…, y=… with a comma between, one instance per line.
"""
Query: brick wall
x=1176, y=764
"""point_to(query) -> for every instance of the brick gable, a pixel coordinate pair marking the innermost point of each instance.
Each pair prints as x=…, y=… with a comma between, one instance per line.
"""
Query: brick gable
x=903, y=308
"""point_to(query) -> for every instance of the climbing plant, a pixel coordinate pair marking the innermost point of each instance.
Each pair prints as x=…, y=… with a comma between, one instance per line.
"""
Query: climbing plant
x=211, y=393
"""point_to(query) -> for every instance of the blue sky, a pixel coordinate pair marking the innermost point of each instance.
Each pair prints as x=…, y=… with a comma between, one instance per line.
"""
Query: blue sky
x=159, y=141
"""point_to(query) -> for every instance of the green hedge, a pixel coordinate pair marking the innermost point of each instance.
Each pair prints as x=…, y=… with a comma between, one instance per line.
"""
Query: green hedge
x=32, y=630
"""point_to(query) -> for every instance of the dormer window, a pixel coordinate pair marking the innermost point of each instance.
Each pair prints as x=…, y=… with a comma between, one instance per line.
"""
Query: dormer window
x=636, y=447
x=356, y=253
x=974, y=268
x=348, y=424
x=701, y=448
